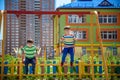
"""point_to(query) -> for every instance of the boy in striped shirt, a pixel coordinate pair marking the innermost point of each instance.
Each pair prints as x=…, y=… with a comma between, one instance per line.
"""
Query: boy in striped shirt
x=68, y=39
x=30, y=53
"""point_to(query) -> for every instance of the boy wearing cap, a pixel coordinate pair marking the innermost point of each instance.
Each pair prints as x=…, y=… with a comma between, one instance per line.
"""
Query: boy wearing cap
x=68, y=39
x=29, y=53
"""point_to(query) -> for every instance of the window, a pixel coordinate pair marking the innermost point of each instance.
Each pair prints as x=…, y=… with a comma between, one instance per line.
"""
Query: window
x=76, y=19
x=113, y=50
x=99, y=50
x=80, y=34
x=108, y=19
x=109, y=35
x=83, y=50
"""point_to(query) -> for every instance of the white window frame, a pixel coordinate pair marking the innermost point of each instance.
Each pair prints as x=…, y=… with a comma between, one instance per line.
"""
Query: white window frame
x=75, y=19
x=79, y=34
x=107, y=33
x=105, y=19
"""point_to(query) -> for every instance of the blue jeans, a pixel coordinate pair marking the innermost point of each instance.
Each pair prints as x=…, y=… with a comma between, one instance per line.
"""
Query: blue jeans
x=27, y=61
x=69, y=50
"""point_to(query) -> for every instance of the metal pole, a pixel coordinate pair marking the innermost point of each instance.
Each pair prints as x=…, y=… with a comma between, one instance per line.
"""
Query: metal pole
x=101, y=46
x=3, y=42
x=91, y=40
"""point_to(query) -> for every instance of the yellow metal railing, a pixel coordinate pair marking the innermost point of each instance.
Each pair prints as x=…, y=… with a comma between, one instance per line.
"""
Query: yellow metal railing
x=81, y=65
x=81, y=70
x=101, y=46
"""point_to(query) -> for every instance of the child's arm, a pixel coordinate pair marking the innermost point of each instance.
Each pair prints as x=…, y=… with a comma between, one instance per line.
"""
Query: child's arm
x=75, y=39
x=38, y=50
x=23, y=54
x=62, y=39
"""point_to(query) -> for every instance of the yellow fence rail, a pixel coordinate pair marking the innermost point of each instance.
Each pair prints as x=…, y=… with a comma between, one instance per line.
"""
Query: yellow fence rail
x=81, y=70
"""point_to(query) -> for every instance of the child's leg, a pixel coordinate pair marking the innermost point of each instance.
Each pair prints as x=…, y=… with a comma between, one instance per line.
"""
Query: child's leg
x=26, y=65
x=33, y=61
x=30, y=69
x=65, y=51
x=71, y=51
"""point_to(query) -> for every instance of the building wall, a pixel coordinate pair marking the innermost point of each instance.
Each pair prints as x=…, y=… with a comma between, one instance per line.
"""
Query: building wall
x=23, y=27
x=12, y=24
x=47, y=26
x=64, y=21
x=80, y=44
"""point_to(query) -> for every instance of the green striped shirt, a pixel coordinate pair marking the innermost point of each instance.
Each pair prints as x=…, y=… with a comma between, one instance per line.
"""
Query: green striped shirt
x=30, y=51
